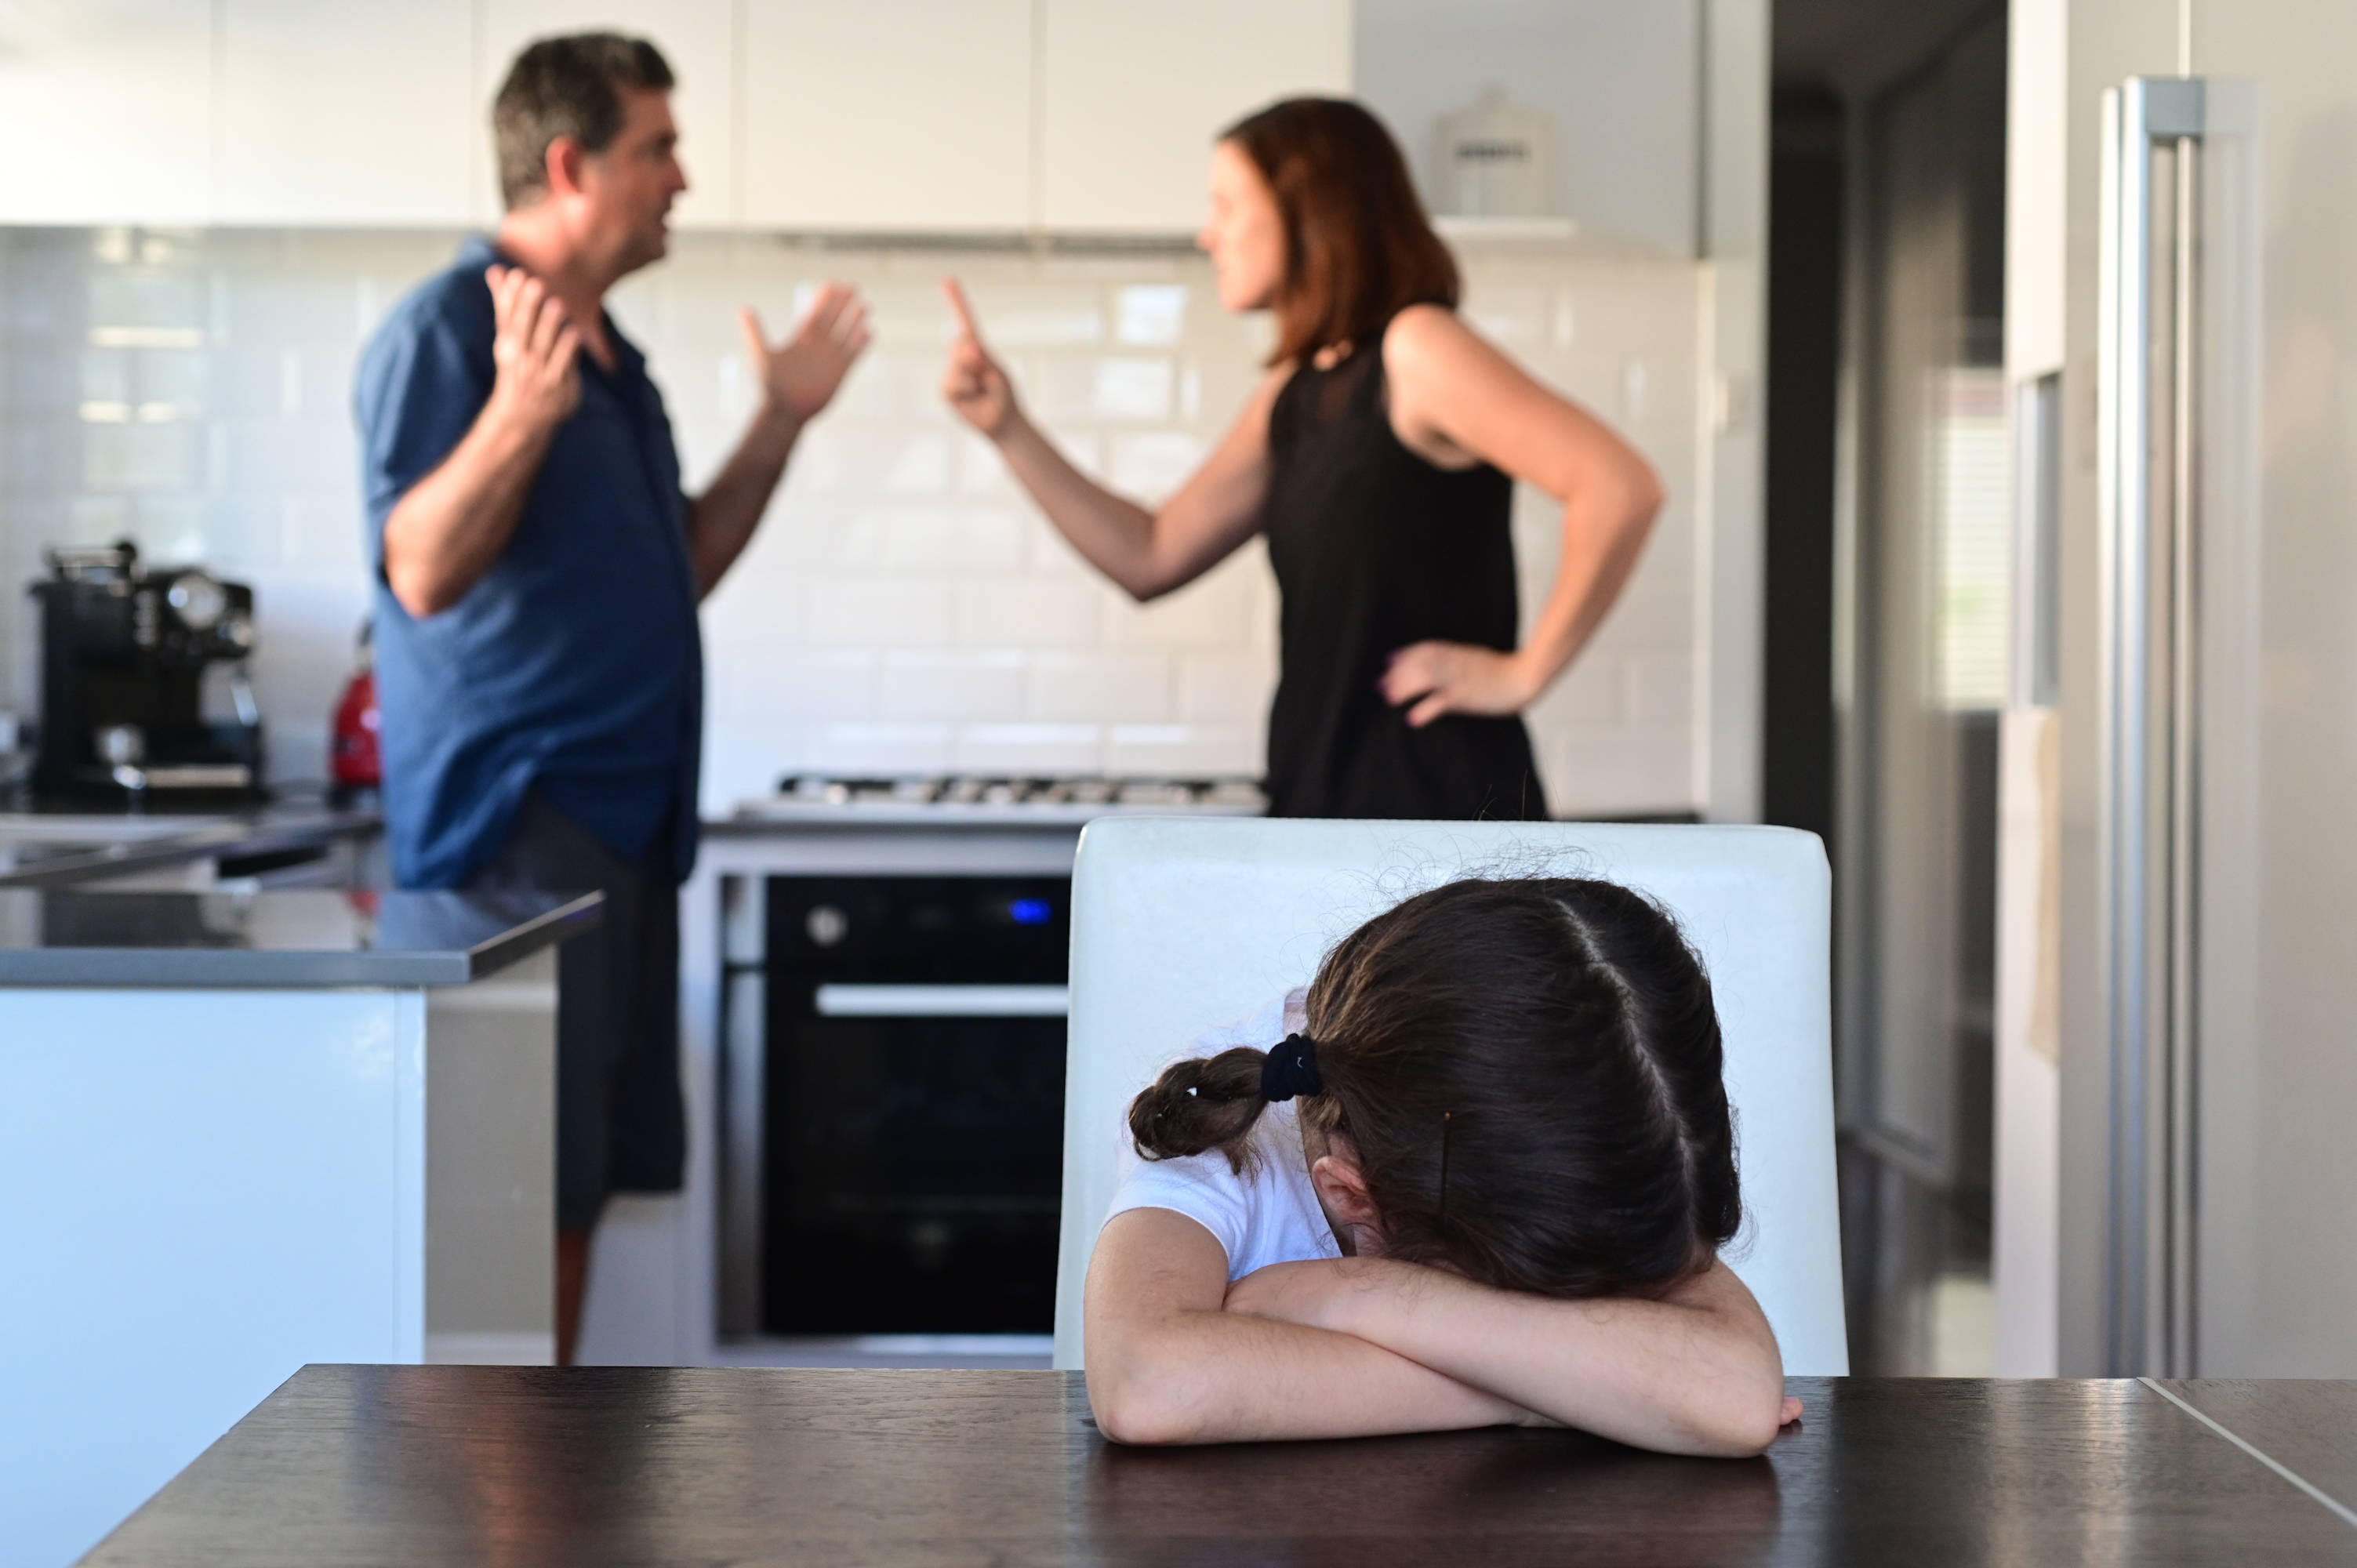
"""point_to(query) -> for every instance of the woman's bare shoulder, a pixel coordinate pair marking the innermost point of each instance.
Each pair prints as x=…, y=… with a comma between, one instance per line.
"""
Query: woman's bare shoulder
x=1423, y=333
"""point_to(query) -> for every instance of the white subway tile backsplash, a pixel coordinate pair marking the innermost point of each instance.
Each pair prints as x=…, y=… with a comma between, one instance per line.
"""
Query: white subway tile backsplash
x=793, y=684
x=1029, y=613
x=1149, y=465
x=877, y=750
x=1029, y=750
x=1230, y=688
x=1073, y=687
x=1150, y=314
x=1215, y=611
x=1184, y=751
x=953, y=539
x=903, y=609
x=985, y=686
x=1125, y=388
x=1030, y=317
x=1660, y=688
x=135, y=456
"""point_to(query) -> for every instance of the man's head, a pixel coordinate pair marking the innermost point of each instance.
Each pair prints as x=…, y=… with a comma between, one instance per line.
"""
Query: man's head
x=584, y=130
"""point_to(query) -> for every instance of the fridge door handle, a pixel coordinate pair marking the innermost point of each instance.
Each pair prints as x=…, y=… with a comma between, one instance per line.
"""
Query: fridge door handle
x=2148, y=727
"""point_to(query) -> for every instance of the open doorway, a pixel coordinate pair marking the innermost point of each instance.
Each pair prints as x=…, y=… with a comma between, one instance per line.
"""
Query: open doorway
x=1888, y=510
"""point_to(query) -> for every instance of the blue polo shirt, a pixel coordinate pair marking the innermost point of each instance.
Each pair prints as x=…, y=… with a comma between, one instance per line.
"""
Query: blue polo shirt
x=575, y=666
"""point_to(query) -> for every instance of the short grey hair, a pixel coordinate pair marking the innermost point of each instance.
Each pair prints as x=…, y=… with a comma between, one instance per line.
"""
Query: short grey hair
x=567, y=86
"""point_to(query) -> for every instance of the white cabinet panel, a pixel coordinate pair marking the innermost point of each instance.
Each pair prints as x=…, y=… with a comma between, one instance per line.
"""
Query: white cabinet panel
x=1133, y=91
x=895, y=115
x=106, y=107
x=697, y=36
x=352, y=113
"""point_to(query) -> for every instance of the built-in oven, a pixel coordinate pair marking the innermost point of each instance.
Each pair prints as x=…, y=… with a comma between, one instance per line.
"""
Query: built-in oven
x=912, y=1095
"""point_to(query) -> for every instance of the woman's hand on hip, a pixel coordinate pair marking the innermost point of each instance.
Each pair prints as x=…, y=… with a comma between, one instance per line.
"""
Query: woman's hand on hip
x=973, y=382
x=1430, y=679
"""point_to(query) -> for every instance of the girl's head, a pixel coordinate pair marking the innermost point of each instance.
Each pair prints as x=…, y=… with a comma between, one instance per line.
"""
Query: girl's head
x=1313, y=216
x=1517, y=1080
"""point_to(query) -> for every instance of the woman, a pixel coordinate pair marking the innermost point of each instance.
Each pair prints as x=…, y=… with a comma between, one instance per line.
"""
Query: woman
x=1377, y=453
x=1501, y=1201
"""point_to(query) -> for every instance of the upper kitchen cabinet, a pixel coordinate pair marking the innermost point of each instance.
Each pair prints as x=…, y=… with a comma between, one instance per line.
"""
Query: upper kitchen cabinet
x=107, y=105
x=353, y=112
x=1133, y=91
x=898, y=115
x=697, y=36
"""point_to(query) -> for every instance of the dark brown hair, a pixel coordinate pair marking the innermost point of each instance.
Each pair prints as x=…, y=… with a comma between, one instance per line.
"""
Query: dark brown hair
x=1358, y=248
x=1527, y=1070
x=567, y=86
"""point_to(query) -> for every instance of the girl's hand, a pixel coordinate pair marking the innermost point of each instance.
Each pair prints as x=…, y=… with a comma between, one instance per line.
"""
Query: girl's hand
x=974, y=383
x=1455, y=678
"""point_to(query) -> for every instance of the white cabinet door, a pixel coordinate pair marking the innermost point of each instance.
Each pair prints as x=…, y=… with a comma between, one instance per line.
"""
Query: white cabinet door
x=894, y=115
x=106, y=107
x=697, y=36
x=352, y=112
x=1133, y=92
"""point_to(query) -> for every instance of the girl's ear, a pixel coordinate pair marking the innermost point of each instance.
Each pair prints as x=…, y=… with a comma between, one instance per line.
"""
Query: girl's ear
x=1342, y=1191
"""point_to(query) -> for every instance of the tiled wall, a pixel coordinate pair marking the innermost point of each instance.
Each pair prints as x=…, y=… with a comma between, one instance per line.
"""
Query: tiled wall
x=902, y=609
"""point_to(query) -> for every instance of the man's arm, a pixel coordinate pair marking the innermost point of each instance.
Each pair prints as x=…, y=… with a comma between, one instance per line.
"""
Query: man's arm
x=1167, y=1365
x=1696, y=1372
x=797, y=379
x=451, y=526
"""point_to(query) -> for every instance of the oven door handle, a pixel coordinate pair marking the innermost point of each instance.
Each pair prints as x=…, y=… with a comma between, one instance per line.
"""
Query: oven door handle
x=845, y=1001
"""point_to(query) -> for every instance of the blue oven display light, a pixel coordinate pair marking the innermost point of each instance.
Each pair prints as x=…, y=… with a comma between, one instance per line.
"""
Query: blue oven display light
x=1031, y=911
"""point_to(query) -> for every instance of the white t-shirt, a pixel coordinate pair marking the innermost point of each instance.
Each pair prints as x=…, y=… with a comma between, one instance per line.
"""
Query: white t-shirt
x=1269, y=1215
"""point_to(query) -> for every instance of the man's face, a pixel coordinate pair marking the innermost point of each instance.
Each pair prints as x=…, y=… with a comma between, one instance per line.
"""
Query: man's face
x=627, y=190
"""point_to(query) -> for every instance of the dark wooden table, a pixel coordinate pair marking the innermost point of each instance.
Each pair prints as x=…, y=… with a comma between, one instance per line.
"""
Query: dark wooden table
x=592, y=1465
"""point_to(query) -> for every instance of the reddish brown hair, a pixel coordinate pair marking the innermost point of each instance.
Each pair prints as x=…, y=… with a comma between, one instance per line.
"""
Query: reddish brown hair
x=1358, y=248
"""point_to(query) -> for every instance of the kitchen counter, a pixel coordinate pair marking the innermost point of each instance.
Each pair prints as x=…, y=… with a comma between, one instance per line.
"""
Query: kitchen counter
x=295, y=938
x=52, y=845
x=257, y=1129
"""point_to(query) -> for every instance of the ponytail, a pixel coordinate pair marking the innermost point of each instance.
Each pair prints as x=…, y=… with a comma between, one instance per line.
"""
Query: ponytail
x=1208, y=1102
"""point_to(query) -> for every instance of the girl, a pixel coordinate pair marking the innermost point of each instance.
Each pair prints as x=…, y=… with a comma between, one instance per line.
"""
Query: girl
x=1377, y=453
x=1499, y=1200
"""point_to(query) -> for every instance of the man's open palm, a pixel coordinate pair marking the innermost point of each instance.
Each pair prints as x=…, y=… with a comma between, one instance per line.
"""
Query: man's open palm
x=801, y=375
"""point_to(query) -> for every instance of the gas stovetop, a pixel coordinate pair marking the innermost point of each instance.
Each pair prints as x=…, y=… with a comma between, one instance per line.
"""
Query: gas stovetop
x=978, y=799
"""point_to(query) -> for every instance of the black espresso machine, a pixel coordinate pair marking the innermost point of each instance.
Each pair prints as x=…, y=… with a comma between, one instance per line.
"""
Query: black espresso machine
x=126, y=651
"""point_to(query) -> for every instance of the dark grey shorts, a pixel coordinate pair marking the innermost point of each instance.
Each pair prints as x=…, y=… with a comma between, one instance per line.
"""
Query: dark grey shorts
x=620, y=1123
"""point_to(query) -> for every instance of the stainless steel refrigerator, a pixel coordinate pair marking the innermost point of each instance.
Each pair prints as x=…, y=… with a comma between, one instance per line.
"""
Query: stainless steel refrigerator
x=2176, y=1020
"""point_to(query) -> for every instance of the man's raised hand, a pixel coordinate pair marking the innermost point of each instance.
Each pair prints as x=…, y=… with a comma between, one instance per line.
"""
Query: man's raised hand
x=536, y=348
x=800, y=376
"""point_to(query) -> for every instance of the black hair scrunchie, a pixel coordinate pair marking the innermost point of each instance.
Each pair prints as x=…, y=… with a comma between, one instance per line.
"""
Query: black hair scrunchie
x=1290, y=1069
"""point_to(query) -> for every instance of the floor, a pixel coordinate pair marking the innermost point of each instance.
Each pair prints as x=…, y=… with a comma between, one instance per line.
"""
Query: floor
x=1915, y=1268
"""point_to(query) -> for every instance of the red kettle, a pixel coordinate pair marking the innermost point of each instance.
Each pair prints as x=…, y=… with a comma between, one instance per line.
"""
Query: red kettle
x=357, y=761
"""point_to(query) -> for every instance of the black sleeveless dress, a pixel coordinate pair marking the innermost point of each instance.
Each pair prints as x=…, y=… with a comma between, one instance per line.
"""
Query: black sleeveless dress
x=1375, y=549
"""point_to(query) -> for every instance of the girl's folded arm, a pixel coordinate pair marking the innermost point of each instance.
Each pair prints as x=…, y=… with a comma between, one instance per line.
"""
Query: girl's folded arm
x=1166, y=1364
x=1696, y=1372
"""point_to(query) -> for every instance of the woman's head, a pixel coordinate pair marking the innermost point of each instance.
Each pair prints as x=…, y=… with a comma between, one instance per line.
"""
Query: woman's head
x=1313, y=216
x=1518, y=1079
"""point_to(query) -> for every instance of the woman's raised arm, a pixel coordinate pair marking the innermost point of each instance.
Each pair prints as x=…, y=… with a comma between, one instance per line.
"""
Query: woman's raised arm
x=1167, y=1365
x=1146, y=553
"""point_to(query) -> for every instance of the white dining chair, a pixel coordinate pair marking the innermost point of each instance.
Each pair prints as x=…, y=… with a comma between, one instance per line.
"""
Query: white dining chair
x=1181, y=925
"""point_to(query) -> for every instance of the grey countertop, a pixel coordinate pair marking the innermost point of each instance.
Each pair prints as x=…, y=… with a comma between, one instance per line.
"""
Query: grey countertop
x=277, y=940
x=43, y=846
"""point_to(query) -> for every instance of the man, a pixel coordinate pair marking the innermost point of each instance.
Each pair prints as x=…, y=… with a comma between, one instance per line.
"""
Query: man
x=538, y=570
